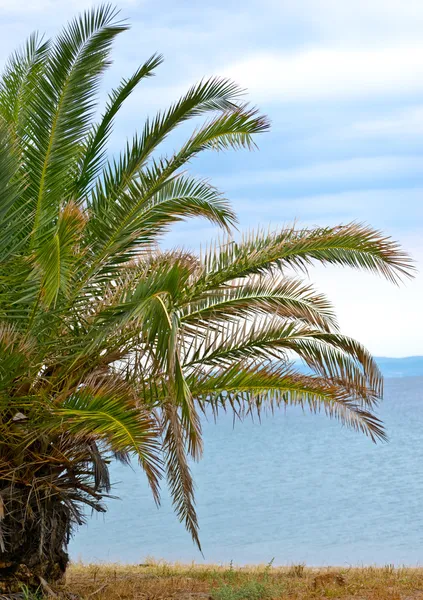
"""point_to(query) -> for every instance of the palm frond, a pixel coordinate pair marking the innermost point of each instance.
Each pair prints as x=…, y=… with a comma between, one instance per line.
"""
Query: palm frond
x=11, y=186
x=244, y=388
x=94, y=156
x=178, y=472
x=108, y=412
x=119, y=230
x=17, y=357
x=55, y=256
x=339, y=357
x=214, y=94
x=19, y=83
x=246, y=298
x=64, y=105
x=353, y=245
x=230, y=129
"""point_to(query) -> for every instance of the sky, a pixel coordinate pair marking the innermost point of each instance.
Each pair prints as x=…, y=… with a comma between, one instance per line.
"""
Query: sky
x=342, y=83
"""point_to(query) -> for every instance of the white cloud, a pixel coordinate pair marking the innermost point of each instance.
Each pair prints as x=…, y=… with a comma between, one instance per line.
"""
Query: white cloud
x=362, y=21
x=380, y=207
x=330, y=73
x=360, y=169
x=385, y=318
x=403, y=123
x=349, y=131
x=59, y=7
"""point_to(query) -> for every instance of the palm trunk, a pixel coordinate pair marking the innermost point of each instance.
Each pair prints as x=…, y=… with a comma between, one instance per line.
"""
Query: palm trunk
x=34, y=533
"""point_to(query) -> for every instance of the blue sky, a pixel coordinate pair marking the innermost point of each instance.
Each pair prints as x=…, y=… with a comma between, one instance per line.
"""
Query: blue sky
x=342, y=83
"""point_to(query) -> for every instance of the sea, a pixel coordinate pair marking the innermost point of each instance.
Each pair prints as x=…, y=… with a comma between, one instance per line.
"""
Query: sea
x=293, y=488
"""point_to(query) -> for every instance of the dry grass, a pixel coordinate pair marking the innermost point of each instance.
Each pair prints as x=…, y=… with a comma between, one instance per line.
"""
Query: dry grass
x=163, y=581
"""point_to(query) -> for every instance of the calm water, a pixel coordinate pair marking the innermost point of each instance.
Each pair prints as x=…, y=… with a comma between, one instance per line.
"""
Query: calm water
x=297, y=488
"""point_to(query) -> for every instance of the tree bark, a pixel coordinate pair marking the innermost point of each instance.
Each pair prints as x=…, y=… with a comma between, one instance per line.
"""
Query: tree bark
x=34, y=533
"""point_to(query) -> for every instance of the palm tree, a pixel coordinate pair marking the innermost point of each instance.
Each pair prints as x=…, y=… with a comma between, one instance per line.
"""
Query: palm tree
x=111, y=349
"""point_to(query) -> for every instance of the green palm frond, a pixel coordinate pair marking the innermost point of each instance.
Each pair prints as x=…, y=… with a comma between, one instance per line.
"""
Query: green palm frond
x=55, y=256
x=11, y=186
x=335, y=356
x=245, y=388
x=178, y=471
x=353, y=245
x=119, y=229
x=231, y=129
x=94, y=157
x=215, y=94
x=19, y=83
x=64, y=105
x=287, y=298
x=107, y=412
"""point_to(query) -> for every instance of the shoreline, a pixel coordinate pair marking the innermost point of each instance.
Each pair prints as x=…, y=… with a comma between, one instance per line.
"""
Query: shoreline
x=178, y=566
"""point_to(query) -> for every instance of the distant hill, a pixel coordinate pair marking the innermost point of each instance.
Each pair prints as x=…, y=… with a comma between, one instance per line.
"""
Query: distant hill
x=400, y=367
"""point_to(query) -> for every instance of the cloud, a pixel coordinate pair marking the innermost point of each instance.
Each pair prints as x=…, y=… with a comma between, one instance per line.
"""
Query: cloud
x=384, y=317
x=406, y=122
x=351, y=170
x=376, y=206
x=362, y=21
x=330, y=73
x=64, y=7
